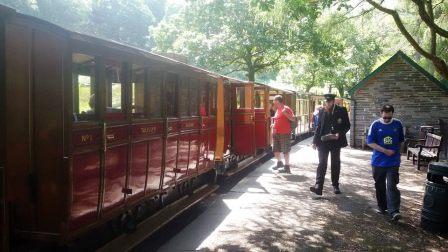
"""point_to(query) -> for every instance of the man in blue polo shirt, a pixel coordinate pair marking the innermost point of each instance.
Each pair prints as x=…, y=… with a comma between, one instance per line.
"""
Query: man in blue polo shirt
x=385, y=138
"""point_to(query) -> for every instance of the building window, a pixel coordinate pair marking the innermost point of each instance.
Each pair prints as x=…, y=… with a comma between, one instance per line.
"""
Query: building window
x=138, y=91
x=84, y=87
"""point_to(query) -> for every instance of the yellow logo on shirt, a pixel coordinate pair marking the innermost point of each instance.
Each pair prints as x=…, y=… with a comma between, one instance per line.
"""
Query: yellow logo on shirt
x=388, y=140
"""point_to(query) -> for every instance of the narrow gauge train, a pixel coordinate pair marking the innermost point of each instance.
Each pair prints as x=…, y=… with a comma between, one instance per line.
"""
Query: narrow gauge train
x=95, y=135
x=303, y=105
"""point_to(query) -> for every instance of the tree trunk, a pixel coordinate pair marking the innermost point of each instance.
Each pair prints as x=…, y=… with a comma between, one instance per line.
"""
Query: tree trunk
x=440, y=65
x=341, y=91
x=313, y=82
x=251, y=74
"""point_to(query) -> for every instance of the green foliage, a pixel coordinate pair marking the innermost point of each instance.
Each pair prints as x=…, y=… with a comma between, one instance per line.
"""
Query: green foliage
x=231, y=36
x=339, y=56
x=427, y=46
x=120, y=20
x=70, y=14
x=84, y=98
x=310, y=44
x=23, y=5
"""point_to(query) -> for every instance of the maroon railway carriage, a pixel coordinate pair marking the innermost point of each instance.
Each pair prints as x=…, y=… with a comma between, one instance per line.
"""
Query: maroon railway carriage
x=92, y=129
x=246, y=119
x=97, y=134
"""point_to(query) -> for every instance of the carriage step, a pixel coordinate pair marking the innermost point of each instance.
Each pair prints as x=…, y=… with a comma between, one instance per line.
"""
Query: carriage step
x=245, y=164
x=146, y=228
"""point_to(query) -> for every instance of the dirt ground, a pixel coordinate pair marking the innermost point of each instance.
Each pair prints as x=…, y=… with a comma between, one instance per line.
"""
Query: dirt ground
x=267, y=211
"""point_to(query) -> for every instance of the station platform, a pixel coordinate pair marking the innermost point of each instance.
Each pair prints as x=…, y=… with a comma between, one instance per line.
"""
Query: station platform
x=268, y=211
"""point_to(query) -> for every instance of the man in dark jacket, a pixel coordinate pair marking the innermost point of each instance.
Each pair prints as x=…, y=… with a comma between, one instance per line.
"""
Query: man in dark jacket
x=333, y=124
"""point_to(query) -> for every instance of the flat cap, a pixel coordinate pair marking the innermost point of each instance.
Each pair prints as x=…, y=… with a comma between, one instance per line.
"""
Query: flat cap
x=329, y=97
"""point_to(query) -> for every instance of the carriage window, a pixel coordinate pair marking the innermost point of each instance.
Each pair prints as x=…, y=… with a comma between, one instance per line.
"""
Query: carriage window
x=203, y=97
x=227, y=98
x=259, y=99
x=194, y=97
x=213, y=90
x=183, y=97
x=114, y=87
x=155, y=92
x=303, y=107
x=171, y=95
x=138, y=91
x=307, y=108
x=84, y=87
x=240, y=97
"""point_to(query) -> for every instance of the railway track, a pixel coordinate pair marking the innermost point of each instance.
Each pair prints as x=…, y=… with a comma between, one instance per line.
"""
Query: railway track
x=126, y=242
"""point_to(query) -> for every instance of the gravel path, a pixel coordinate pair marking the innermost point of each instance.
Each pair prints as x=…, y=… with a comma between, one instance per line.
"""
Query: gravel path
x=267, y=211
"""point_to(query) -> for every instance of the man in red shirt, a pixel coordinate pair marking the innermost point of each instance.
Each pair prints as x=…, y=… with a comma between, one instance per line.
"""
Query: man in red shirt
x=281, y=130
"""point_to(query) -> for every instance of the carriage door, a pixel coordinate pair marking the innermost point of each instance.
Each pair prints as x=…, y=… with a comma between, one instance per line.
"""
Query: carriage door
x=262, y=119
x=86, y=142
x=115, y=136
x=172, y=130
x=243, y=119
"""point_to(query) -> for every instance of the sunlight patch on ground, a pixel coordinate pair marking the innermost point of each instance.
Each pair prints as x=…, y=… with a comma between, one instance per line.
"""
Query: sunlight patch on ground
x=269, y=211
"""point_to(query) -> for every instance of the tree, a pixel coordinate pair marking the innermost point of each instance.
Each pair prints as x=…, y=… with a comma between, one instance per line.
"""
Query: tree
x=121, y=20
x=359, y=53
x=433, y=15
x=339, y=56
x=233, y=36
x=22, y=5
x=68, y=14
x=124, y=21
x=303, y=71
x=157, y=8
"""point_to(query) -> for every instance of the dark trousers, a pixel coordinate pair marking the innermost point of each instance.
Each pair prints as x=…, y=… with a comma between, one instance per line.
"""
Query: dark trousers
x=387, y=196
x=324, y=151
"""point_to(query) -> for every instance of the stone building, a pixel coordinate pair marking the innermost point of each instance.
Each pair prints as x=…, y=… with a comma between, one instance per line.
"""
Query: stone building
x=419, y=98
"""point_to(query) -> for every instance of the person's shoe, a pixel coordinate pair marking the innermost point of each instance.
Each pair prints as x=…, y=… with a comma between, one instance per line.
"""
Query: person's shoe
x=395, y=216
x=316, y=190
x=336, y=190
x=286, y=170
x=381, y=211
x=279, y=165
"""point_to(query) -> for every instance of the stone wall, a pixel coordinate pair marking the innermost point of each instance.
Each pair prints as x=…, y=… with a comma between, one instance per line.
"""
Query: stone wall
x=417, y=100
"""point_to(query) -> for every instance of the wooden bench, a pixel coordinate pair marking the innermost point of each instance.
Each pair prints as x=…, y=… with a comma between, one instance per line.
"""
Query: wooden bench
x=444, y=132
x=429, y=151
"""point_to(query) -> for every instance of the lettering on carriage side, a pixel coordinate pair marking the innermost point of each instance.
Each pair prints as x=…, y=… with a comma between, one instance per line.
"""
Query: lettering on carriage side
x=148, y=130
x=86, y=138
x=189, y=125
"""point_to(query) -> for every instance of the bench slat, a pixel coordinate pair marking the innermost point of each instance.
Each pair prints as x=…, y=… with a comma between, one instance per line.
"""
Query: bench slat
x=426, y=151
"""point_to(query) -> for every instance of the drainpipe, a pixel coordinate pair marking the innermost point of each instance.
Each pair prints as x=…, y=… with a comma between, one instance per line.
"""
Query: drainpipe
x=353, y=127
